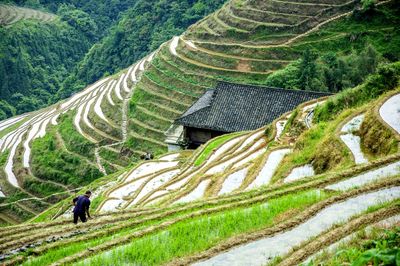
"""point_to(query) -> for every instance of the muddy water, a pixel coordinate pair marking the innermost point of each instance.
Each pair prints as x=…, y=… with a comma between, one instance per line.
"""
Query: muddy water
x=352, y=141
x=262, y=251
x=390, y=112
x=233, y=181
x=196, y=194
x=299, y=173
x=280, y=126
x=368, y=177
x=389, y=222
x=266, y=173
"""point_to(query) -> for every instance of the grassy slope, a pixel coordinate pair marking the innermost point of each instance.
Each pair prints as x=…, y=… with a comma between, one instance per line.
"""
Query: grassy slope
x=150, y=91
x=378, y=244
x=206, y=232
x=223, y=224
x=171, y=82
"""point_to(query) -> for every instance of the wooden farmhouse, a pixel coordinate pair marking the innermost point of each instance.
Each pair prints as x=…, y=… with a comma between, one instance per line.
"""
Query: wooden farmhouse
x=231, y=108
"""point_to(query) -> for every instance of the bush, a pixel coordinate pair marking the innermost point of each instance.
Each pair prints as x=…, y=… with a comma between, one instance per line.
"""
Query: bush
x=376, y=138
x=368, y=5
x=329, y=154
x=386, y=79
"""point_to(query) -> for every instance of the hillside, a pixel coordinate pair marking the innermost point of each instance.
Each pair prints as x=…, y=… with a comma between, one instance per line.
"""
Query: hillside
x=104, y=13
x=185, y=67
x=240, y=193
x=132, y=38
x=96, y=40
x=11, y=14
x=38, y=50
x=288, y=193
x=50, y=153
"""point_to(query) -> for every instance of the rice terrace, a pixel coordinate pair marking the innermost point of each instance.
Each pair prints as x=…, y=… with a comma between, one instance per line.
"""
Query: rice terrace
x=225, y=132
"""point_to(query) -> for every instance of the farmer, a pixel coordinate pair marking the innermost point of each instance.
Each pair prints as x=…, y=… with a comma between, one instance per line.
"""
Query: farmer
x=82, y=204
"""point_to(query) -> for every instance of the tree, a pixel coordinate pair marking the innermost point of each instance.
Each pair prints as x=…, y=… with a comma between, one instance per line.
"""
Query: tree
x=308, y=70
x=6, y=109
x=79, y=19
x=368, y=5
x=286, y=78
x=368, y=9
x=334, y=71
x=368, y=61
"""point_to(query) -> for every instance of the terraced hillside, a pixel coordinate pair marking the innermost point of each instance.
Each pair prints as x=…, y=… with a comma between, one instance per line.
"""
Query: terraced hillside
x=276, y=195
x=10, y=14
x=50, y=153
x=245, y=42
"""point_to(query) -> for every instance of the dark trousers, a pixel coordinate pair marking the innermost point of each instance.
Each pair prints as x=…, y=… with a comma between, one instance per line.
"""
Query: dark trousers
x=80, y=215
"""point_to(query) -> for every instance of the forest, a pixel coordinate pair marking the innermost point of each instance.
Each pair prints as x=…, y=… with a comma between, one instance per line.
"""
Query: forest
x=42, y=63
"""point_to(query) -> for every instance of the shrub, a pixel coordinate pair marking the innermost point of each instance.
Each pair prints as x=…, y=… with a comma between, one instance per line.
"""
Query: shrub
x=376, y=138
x=386, y=79
x=329, y=154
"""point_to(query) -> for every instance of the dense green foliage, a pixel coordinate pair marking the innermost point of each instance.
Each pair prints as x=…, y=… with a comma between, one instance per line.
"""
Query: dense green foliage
x=37, y=58
x=55, y=164
x=367, y=247
x=141, y=30
x=343, y=63
x=80, y=20
x=386, y=78
x=103, y=13
x=328, y=72
x=34, y=60
x=74, y=141
x=385, y=249
x=51, y=160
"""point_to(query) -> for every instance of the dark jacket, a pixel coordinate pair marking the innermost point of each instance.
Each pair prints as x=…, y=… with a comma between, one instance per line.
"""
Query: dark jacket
x=82, y=204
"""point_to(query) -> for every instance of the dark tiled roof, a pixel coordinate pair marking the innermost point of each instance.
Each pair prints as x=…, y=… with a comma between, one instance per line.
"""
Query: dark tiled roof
x=235, y=107
x=203, y=102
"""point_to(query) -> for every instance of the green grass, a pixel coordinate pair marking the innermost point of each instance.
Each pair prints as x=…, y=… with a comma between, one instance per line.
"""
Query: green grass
x=365, y=247
x=160, y=79
x=213, y=144
x=62, y=252
x=144, y=145
x=142, y=96
x=177, y=73
x=74, y=141
x=50, y=162
x=222, y=75
x=116, y=158
x=320, y=144
x=40, y=188
x=48, y=215
x=313, y=144
x=377, y=140
x=199, y=234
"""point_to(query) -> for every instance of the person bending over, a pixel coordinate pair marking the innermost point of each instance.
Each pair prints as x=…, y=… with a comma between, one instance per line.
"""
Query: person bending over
x=81, y=208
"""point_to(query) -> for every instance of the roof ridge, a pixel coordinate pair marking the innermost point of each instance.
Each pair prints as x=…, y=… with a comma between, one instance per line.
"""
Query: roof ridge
x=234, y=107
x=201, y=103
x=272, y=88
